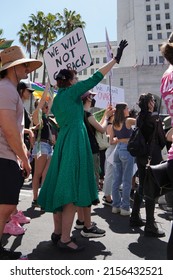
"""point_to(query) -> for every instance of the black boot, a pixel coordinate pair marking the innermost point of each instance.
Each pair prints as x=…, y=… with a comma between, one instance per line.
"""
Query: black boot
x=135, y=218
x=151, y=228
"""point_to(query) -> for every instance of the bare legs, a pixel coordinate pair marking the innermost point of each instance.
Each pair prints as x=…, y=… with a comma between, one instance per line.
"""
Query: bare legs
x=63, y=223
x=40, y=170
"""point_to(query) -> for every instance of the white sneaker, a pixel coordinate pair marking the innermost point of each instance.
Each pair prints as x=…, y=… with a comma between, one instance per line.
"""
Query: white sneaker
x=115, y=210
x=124, y=212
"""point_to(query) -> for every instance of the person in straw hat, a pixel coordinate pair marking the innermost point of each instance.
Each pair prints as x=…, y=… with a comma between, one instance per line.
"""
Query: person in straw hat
x=14, y=164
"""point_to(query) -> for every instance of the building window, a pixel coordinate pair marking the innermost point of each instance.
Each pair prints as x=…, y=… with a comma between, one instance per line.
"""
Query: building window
x=97, y=60
x=104, y=59
x=167, y=16
x=148, y=8
x=168, y=34
x=121, y=82
x=36, y=75
x=150, y=48
x=148, y=17
x=80, y=73
x=150, y=37
x=157, y=7
x=158, y=26
x=159, y=35
x=166, y=6
x=147, y=0
x=85, y=71
x=157, y=16
x=149, y=28
x=92, y=71
x=159, y=46
x=161, y=59
x=151, y=59
x=168, y=26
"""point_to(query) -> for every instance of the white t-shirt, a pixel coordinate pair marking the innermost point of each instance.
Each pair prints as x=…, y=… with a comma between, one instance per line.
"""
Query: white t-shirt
x=10, y=100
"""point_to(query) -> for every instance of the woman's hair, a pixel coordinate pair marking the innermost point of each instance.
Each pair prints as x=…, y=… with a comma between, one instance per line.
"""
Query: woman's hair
x=36, y=103
x=64, y=77
x=167, y=51
x=3, y=74
x=119, y=116
x=144, y=99
x=21, y=88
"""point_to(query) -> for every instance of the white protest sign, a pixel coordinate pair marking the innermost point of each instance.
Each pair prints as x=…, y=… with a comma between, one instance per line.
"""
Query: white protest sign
x=70, y=52
x=103, y=95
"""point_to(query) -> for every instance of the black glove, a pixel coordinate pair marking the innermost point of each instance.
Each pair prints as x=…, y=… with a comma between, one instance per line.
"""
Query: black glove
x=120, y=49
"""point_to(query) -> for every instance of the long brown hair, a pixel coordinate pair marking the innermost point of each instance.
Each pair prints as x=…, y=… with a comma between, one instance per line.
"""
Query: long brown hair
x=119, y=117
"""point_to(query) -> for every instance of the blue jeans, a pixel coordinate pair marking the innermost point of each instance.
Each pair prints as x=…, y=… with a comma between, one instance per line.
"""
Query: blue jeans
x=122, y=174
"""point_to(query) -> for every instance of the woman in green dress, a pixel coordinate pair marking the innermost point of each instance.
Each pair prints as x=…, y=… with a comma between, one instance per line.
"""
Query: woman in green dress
x=70, y=179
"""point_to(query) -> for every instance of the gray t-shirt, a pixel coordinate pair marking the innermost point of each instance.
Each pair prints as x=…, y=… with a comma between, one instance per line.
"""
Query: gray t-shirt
x=10, y=100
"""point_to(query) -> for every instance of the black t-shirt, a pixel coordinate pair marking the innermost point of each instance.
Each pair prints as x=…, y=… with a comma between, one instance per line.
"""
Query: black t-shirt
x=91, y=133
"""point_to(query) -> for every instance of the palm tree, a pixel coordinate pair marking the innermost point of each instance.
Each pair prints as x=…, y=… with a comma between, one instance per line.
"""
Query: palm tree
x=1, y=32
x=70, y=21
x=25, y=37
x=50, y=31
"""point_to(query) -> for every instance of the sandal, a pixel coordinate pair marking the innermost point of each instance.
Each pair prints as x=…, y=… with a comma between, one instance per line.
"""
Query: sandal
x=64, y=246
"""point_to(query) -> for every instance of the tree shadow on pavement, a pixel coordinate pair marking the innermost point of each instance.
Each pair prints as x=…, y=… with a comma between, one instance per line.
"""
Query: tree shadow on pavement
x=148, y=248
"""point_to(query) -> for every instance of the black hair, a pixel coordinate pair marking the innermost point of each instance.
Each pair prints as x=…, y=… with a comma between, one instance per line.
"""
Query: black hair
x=144, y=99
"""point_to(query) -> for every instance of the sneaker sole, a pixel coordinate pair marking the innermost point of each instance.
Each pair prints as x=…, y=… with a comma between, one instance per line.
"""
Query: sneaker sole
x=92, y=235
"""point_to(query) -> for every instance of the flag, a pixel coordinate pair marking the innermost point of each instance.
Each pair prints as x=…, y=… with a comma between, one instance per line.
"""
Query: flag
x=5, y=44
x=109, y=52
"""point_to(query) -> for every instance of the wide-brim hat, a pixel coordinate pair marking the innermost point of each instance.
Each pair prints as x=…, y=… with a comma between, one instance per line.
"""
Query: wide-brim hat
x=88, y=93
x=13, y=56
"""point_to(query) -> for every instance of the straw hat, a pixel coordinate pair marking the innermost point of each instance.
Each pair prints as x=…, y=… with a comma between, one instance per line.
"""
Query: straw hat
x=13, y=56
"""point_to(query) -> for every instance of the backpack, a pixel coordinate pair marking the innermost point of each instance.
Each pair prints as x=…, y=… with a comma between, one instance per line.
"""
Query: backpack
x=137, y=146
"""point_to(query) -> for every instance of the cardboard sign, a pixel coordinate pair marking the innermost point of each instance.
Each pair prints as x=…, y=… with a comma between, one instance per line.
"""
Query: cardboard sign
x=103, y=95
x=70, y=52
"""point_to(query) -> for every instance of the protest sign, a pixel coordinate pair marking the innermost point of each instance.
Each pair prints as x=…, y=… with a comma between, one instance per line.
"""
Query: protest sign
x=70, y=52
x=103, y=95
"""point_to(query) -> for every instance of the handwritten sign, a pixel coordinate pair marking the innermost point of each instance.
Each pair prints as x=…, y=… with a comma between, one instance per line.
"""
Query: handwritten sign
x=103, y=95
x=70, y=52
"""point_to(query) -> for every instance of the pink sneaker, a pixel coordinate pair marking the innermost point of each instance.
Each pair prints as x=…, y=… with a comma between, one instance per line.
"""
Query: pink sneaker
x=21, y=218
x=13, y=228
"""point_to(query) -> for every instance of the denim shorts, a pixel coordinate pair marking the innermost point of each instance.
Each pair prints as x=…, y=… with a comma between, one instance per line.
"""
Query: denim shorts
x=46, y=149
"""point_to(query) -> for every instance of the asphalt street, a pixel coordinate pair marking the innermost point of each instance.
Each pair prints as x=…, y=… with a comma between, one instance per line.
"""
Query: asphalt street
x=121, y=242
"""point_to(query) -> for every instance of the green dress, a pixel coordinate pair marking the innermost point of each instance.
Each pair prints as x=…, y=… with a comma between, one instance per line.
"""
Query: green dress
x=70, y=177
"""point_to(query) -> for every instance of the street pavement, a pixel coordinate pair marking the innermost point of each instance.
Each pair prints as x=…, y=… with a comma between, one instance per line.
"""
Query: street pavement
x=121, y=242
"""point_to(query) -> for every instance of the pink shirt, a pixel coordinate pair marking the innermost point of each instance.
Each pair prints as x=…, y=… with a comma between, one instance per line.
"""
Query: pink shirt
x=167, y=94
x=167, y=90
x=10, y=100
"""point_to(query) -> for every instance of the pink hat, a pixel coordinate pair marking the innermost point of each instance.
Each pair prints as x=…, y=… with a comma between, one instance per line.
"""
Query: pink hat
x=88, y=93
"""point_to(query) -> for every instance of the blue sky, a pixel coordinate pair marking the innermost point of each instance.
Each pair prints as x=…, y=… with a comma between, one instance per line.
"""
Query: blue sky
x=95, y=13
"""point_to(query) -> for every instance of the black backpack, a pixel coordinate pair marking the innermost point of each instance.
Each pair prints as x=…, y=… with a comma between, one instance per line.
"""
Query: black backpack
x=137, y=146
